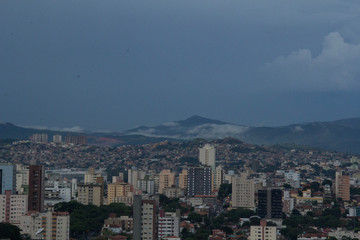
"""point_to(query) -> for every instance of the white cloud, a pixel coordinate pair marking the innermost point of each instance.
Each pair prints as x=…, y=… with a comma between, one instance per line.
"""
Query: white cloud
x=298, y=129
x=335, y=68
x=216, y=131
x=66, y=129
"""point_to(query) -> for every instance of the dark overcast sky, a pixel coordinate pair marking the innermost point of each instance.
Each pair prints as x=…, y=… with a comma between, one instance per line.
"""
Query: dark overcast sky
x=114, y=65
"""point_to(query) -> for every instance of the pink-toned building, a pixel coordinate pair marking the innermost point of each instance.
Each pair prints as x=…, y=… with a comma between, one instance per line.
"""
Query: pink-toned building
x=14, y=207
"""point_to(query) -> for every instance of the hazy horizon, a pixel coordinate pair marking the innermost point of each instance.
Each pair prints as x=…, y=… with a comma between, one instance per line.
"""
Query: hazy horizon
x=115, y=65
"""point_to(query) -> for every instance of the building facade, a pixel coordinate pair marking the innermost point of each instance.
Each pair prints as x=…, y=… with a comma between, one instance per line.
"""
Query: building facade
x=47, y=226
x=342, y=186
x=242, y=192
x=12, y=207
x=90, y=194
x=166, y=179
x=168, y=224
x=199, y=181
x=207, y=156
x=36, y=188
x=270, y=203
x=144, y=214
x=7, y=178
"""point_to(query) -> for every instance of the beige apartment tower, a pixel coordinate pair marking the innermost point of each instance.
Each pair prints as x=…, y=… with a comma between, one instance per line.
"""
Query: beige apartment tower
x=263, y=232
x=243, y=191
x=166, y=180
x=342, y=186
x=90, y=194
x=118, y=190
x=207, y=156
x=183, y=179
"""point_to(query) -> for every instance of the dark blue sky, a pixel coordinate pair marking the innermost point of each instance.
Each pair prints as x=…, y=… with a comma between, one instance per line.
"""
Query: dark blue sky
x=114, y=65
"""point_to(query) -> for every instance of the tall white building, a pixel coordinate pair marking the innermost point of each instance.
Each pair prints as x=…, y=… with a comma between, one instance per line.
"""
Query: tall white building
x=207, y=156
x=168, y=224
x=134, y=175
x=57, y=138
x=243, y=191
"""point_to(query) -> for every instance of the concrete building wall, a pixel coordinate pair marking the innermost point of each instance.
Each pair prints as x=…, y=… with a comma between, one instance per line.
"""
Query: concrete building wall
x=242, y=192
x=166, y=179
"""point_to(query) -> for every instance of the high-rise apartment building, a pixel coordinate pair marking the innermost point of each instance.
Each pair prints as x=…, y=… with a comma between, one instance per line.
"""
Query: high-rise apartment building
x=207, y=156
x=12, y=207
x=147, y=185
x=199, y=181
x=47, y=226
x=36, y=188
x=57, y=138
x=40, y=138
x=342, y=186
x=242, y=191
x=7, y=178
x=166, y=179
x=76, y=140
x=183, y=178
x=263, y=232
x=270, y=203
x=144, y=214
x=168, y=224
x=90, y=194
x=219, y=177
x=118, y=190
x=91, y=176
x=22, y=178
x=134, y=175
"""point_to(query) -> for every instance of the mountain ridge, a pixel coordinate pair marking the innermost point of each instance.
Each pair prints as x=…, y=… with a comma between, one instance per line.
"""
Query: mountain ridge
x=339, y=135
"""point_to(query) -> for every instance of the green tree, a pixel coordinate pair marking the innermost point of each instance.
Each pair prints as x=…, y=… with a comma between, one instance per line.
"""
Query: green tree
x=10, y=231
x=224, y=191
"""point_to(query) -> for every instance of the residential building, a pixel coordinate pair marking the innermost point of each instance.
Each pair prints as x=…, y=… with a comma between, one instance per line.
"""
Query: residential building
x=174, y=192
x=342, y=186
x=12, y=207
x=219, y=177
x=146, y=185
x=270, y=203
x=47, y=226
x=183, y=178
x=57, y=138
x=76, y=140
x=118, y=190
x=119, y=224
x=207, y=156
x=90, y=194
x=22, y=179
x=199, y=181
x=243, y=191
x=166, y=179
x=263, y=232
x=144, y=214
x=91, y=176
x=40, y=138
x=169, y=224
x=36, y=188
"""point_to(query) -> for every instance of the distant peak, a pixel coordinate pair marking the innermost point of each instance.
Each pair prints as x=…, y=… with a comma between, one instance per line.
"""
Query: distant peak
x=197, y=120
x=196, y=117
